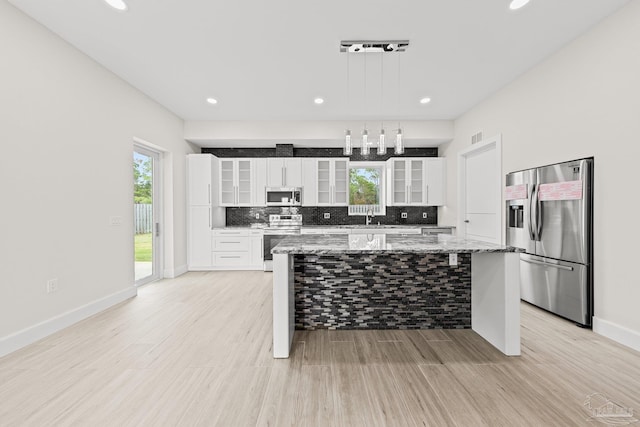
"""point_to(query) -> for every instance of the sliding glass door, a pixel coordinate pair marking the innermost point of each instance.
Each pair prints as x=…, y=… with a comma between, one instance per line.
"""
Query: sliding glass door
x=146, y=214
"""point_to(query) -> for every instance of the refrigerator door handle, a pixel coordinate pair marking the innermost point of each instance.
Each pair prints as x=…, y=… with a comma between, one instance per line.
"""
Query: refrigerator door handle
x=560, y=267
x=531, y=218
x=538, y=214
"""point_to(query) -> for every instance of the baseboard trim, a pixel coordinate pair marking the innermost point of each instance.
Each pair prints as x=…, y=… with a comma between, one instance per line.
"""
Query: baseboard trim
x=618, y=333
x=175, y=272
x=34, y=333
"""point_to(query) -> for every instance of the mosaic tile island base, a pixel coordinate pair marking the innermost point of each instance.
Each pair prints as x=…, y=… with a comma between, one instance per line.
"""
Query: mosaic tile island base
x=377, y=281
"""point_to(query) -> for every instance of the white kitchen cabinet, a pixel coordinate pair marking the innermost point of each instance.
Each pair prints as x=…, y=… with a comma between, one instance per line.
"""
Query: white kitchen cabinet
x=407, y=182
x=203, y=210
x=259, y=169
x=256, y=249
x=236, y=182
x=415, y=181
x=309, y=182
x=333, y=182
x=436, y=174
x=284, y=172
x=236, y=249
x=199, y=179
x=199, y=237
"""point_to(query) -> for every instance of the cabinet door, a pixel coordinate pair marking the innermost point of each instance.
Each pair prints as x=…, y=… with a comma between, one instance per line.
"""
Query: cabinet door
x=200, y=237
x=309, y=182
x=324, y=183
x=416, y=182
x=293, y=172
x=227, y=183
x=435, y=181
x=243, y=183
x=199, y=179
x=399, y=182
x=256, y=251
x=275, y=172
x=340, y=182
x=259, y=177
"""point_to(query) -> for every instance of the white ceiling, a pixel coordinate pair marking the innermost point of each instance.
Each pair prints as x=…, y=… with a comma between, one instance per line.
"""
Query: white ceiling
x=267, y=60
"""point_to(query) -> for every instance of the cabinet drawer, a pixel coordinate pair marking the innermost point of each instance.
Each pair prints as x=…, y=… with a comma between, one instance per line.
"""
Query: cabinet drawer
x=230, y=259
x=231, y=243
x=223, y=232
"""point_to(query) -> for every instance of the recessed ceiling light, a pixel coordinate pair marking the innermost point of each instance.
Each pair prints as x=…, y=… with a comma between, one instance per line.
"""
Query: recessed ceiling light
x=425, y=100
x=117, y=4
x=212, y=101
x=517, y=4
x=318, y=101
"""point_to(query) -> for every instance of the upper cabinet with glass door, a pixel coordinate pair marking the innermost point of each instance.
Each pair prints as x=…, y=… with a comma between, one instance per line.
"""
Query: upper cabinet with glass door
x=236, y=182
x=333, y=182
x=416, y=181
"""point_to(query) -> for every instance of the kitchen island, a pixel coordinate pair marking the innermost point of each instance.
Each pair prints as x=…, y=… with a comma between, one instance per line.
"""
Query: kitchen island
x=376, y=281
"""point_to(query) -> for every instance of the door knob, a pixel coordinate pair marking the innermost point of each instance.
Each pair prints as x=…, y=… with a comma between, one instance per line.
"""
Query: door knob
x=467, y=221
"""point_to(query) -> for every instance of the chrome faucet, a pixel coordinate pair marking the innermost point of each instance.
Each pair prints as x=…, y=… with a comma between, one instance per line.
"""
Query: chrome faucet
x=369, y=216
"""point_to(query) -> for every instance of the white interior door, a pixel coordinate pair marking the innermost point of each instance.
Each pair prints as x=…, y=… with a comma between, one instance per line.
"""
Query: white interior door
x=479, y=178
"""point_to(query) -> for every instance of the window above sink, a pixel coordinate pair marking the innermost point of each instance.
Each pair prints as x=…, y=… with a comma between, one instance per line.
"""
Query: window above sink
x=366, y=188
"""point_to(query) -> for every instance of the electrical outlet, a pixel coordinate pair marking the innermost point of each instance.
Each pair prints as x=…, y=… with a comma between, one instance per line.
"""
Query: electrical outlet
x=52, y=286
x=327, y=215
x=424, y=215
x=403, y=215
x=257, y=215
x=453, y=259
x=115, y=221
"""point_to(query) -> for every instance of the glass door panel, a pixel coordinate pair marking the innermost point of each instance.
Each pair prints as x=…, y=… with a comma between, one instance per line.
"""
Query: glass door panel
x=399, y=182
x=146, y=215
x=417, y=182
x=324, y=182
x=227, y=189
x=341, y=189
x=244, y=182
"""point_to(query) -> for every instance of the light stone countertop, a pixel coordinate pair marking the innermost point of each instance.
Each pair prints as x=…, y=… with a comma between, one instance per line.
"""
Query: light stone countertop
x=373, y=226
x=374, y=243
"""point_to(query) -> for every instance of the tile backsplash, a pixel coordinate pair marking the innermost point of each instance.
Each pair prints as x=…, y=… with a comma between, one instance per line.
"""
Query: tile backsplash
x=337, y=215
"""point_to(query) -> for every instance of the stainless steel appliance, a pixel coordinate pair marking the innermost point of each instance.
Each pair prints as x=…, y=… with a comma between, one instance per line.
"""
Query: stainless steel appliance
x=280, y=226
x=550, y=216
x=284, y=196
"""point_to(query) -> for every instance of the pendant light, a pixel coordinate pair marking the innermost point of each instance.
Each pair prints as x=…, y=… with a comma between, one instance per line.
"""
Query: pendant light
x=348, y=148
x=365, y=142
x=380, y=47
x=399, y=148
x=382, y=147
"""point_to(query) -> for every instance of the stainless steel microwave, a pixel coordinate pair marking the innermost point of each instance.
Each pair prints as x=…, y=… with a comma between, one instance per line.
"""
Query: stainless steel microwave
x=278, y=196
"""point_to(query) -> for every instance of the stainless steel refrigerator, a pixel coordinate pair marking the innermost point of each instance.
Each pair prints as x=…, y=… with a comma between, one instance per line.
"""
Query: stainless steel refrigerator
x=550, y=216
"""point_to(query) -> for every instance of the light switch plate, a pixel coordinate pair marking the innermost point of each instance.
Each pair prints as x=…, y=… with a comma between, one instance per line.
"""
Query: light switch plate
x=327, y=215
x=424, y=215
x=115, y=220
x=453, y=259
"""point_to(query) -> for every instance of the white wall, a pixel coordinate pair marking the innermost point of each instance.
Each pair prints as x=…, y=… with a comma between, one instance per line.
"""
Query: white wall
x=66, y=128
x=583, y=101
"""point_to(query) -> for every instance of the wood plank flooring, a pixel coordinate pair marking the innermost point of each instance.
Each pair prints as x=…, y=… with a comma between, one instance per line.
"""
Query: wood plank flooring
x=196, y=350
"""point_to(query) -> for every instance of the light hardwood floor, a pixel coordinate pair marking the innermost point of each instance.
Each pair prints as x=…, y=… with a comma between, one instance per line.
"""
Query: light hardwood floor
x=197, y=351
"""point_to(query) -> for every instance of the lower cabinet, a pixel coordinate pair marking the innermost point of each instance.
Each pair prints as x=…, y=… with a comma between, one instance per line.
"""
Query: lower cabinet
x=239, y=249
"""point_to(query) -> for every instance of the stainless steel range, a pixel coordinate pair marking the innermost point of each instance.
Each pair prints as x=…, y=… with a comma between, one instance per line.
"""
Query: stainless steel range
x=280, y=226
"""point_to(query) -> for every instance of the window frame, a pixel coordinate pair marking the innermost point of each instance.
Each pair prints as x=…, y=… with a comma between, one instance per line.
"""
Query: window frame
x=356, y=210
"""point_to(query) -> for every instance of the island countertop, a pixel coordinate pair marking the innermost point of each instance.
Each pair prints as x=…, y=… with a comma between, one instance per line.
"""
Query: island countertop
x=375, y=243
